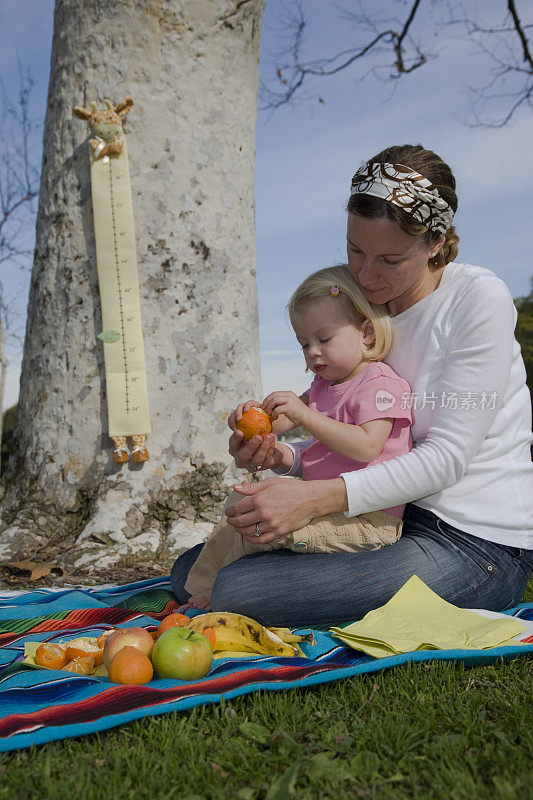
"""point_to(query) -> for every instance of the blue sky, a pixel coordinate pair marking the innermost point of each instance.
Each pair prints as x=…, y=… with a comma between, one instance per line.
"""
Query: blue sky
x=306, y=154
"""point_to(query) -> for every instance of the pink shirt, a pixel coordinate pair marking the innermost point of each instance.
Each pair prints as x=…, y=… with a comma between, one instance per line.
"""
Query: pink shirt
x=373, y=394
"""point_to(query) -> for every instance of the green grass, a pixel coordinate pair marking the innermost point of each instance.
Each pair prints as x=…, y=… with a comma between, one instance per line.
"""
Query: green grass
x=431, y=731
x=417, y=731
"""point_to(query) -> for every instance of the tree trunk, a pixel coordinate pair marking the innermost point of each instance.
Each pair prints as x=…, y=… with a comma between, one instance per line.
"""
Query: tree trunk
x=192, y=69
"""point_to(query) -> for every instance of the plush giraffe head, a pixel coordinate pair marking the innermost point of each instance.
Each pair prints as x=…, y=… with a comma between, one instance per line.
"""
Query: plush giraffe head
x=106, y=124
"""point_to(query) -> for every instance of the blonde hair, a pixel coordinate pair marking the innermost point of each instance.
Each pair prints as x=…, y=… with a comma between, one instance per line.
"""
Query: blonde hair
x=355, y=305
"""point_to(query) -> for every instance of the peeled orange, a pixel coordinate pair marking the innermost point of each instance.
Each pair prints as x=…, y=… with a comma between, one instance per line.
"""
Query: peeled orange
x=79, y=648
x=51, y=655
x=172, y=621
x=101, y=639
x=84, y=665
x=254, y=422
x=130, y=666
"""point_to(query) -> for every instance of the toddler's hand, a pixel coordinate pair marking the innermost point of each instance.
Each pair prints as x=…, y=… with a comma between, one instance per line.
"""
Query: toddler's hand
x=286, y=403
x=235, y=416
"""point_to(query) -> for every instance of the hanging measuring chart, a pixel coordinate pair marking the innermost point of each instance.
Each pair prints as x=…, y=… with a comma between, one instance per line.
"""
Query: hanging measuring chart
x=127, y=395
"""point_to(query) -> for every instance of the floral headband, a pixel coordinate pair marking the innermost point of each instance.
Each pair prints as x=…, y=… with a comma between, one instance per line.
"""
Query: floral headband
x=407, y=189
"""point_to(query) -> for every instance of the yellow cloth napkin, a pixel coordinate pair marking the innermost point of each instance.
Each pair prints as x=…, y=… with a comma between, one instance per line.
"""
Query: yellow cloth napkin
x=416, y=618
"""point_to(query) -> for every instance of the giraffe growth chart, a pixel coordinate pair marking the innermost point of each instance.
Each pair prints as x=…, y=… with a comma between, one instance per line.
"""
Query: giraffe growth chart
x=127, y=394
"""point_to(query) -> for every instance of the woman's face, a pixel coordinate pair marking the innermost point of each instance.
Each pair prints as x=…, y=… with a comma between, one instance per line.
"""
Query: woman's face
x=389, y=265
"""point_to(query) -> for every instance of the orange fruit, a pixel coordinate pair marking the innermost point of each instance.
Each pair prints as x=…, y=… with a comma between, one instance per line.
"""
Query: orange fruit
x=130, y=666
x=79, y=648
x=209, y=633
x=172, y=621
x=101, y=639
x=254, y=422
x=84, y=665
x=51, y=655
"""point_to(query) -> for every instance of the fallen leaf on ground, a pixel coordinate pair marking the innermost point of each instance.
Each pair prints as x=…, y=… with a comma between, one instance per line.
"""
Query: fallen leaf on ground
x=38, y=569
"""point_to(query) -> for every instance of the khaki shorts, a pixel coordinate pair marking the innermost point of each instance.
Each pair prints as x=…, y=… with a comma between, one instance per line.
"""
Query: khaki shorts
x=333, y=533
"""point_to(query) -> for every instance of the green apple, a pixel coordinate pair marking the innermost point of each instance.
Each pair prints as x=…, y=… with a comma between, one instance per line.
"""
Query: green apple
x=183, y=654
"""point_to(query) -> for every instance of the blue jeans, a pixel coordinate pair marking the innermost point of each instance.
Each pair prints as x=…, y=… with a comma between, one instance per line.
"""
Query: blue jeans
x=283, y=588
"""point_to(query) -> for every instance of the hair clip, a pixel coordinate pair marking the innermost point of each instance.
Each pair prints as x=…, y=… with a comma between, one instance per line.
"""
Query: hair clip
x=335, y=289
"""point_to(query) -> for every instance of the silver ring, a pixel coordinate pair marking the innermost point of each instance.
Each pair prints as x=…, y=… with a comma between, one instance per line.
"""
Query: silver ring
x=254, y=468
x=257, y=531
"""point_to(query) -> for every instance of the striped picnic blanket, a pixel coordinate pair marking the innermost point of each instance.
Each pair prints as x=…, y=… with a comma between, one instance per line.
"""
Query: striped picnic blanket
x=39, y=706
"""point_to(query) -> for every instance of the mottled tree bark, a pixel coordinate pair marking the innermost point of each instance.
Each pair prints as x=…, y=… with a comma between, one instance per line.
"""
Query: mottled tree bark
x=192, y=69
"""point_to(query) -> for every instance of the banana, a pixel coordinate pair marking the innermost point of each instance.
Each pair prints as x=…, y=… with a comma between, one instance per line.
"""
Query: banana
x=286, y=636
x=237, y=633
x=233, y=654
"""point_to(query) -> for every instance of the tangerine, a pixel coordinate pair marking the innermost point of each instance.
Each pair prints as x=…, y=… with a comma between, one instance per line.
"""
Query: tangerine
x=84, y=665
x=254, y=422
x=172, y=621
x=51, y=655
x=209, y=633
x=80, y=648
x=101, y=639
x=130, y=666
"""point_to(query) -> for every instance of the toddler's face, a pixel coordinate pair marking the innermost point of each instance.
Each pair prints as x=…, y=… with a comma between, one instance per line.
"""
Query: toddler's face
x=332, y=345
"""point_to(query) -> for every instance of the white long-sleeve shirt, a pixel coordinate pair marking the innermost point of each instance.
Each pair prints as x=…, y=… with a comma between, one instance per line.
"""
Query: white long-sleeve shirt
x=471, y=462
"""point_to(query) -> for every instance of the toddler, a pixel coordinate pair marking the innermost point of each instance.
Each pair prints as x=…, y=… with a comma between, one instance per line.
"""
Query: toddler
x=354, y=411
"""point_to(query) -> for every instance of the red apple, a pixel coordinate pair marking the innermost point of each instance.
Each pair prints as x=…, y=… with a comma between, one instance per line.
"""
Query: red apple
x=183, y=654
x=127, y=637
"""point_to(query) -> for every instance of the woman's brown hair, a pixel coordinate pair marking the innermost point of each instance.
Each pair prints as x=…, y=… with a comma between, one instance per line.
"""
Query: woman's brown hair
x=432, y=167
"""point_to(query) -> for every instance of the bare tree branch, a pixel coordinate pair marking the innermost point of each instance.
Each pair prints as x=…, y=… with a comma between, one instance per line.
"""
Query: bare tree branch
x=511, y=65
x=506, y=45
x=19, y=176
x=521, y=33
x=19, y=187
x=293, y=74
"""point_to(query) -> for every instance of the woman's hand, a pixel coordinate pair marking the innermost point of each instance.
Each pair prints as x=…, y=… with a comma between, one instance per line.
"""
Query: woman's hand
x=288, y=404
x=280, y=505
x=259, y=452
x=277, y=505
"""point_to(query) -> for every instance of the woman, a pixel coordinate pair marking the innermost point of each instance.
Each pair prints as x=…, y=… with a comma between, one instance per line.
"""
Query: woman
x=468, y=482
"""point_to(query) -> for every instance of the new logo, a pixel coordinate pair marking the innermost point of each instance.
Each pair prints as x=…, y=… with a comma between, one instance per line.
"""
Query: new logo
x=384, y=400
